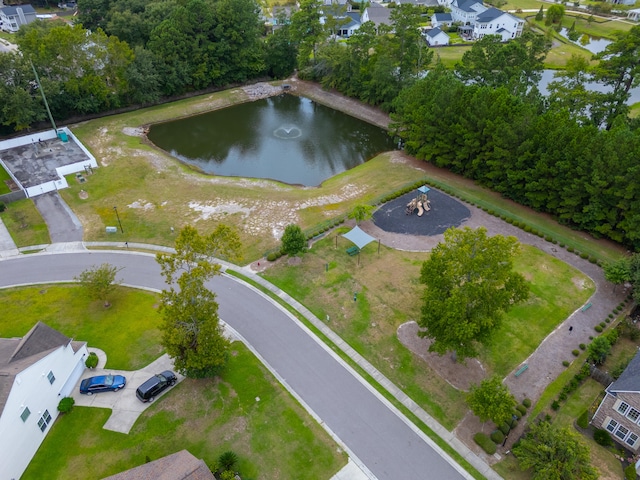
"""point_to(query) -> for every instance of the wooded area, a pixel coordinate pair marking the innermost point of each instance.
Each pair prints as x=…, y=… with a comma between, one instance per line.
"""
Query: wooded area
x=572, y=154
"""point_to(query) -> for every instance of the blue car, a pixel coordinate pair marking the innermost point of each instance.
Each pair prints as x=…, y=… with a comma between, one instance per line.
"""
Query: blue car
x=102, y=383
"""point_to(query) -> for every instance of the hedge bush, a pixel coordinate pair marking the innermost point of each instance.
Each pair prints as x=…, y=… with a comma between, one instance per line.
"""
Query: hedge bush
x=517, y=414
x=526, y=402
x=522, y=409
x=66, y=405
x=630, y=472
x=602, y=437
x=92, y=360
x=575, y=352
x=485, y=443
x=497, y=437
x=504, y=428
x=584, y=256
x=555, y=405
x=566, y=363
x=570, y=249
x=598, y=328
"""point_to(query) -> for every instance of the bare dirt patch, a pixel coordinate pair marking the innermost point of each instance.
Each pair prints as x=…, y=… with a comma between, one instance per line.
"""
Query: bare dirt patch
x=456, y=374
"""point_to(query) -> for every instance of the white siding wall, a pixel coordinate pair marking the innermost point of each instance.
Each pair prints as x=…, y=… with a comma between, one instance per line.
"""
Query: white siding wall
x=19, y=440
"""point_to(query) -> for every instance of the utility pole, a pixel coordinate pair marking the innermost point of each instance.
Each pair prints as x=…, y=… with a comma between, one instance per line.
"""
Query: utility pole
x=46, y=104
x=115, y=209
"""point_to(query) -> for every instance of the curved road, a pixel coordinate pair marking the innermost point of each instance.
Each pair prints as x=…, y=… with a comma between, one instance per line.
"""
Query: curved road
x=374, y=432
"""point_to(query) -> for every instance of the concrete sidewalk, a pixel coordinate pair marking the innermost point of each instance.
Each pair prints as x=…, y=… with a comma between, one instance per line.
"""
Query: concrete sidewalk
x=8, y=247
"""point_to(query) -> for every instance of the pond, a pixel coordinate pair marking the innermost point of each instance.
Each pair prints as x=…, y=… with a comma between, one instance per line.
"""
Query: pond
x=286, y=138
x=548, y=77
x=588, y=42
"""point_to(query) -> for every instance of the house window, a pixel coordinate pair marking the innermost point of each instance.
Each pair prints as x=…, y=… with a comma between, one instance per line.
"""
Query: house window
x=25, y=414
x=633, y=414
x=51, y=377
x=623, y=407
x=632, y=439
x=621, y=432
x=44, y=420
x=611, y=426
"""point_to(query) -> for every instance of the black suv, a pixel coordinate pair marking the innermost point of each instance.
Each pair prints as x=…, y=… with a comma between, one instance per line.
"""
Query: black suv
x=156, y=385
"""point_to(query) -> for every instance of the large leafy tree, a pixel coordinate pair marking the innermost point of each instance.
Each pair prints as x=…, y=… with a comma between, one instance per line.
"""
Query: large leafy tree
x=307, y=30
x=491, y=400
x=516, y=65
x=191, y=330
x=470, y=283
x=20, y=103
x=554, y=454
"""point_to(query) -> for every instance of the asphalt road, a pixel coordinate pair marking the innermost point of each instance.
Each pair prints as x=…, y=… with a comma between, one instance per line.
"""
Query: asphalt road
x=378, y=437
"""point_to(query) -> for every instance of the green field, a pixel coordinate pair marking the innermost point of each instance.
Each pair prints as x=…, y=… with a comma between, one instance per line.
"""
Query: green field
x=384, y=302
x=25, y=224
x=207, y=417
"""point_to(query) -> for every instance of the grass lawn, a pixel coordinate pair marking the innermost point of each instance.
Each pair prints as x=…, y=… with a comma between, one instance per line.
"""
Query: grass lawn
x=449, y=56
x=25, y=224
x=635, y=110
x=246, y=411
x=597, y=28
x=127, y=331
x=384, y=302
x=4, y=188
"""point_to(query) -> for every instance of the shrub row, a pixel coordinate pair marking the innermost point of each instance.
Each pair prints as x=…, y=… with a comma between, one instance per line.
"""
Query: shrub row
x=485, y=443
x=572, y=385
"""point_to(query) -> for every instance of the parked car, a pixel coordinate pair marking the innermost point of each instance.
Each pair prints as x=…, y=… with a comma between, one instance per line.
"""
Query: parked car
x=102, y=383
x=156, y=385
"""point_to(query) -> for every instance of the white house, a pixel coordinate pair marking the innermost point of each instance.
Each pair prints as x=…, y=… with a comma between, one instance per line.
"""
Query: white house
x=634, y=14
x=441, y=19
x=11, y=18
x=466, y=11
x=377, y=14
x=436, y=37
x=496, y=22
x=36, y=371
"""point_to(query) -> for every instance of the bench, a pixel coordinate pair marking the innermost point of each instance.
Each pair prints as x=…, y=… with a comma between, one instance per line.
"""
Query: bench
x=353, y=251
x=521, y=370
x=586, y=307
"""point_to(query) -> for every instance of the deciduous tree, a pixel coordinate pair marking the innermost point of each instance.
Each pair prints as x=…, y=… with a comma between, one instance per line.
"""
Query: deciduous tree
x=99, y=282
x=554, y=454
x=491, y=400
x=470, y=283
x=191, y=330
x=293, y=240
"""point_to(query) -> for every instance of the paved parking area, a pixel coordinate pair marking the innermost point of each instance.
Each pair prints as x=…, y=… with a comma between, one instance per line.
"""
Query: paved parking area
x=125, y=406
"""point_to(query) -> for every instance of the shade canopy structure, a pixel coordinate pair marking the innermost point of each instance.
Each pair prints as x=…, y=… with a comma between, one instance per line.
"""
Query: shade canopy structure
x=360, y=238
x=424, y=189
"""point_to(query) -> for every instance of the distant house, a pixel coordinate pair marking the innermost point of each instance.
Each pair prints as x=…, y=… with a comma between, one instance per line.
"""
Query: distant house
x=619, y=411
x=466, y=11
x=496, y=22
x=340, y=3
x=36, y=371
x=634, y=14
x=441, y=20
x=377, y=14
x=623, y=2
x=12, y=18
x=436, y=37
x=280, y=15
x=350, y=25
x=177, y=466
x=418, y=3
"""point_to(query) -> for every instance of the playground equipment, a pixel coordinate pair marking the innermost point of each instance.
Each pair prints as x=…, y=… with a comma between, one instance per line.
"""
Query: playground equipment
x=420, y=203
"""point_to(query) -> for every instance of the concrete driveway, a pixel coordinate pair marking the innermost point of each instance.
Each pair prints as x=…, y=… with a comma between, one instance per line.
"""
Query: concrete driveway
x=125, y=406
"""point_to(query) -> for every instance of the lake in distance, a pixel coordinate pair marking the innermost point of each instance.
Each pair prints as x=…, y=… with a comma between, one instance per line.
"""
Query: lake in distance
x=286, y=138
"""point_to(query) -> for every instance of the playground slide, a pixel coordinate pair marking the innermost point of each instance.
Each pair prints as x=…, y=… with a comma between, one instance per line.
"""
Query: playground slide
x=420, y=211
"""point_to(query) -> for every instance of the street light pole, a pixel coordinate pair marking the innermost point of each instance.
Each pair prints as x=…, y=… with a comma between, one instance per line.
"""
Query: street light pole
x=115, y=209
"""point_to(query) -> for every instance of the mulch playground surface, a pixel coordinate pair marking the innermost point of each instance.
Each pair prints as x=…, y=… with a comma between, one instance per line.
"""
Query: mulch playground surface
x=445, y=212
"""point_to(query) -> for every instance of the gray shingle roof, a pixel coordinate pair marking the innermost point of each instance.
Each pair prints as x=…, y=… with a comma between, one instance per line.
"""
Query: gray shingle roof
x=489, y=15
x=629, y=381
x=177, y=466
x=10, y=11
x=379, y=14
x=467, y=5
x=434, y=32
x=443, y=17
x=18, y=354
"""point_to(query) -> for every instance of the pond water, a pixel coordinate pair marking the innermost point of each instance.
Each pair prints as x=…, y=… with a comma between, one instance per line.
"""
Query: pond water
x=593, y=44
x=548, y=77
x=286, y=138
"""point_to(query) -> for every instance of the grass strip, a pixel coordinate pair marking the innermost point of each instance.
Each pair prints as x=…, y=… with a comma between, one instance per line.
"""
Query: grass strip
x=25, y=224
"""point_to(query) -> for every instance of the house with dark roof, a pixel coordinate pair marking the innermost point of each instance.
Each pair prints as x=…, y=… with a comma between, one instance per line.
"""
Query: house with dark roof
x=12, y=18
x=494, y=21
x=441, y=20
x=177, y=466
x=619, y=411
x=466, y=11
x=436, y=37
x=36, y=372
x=377, y=14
